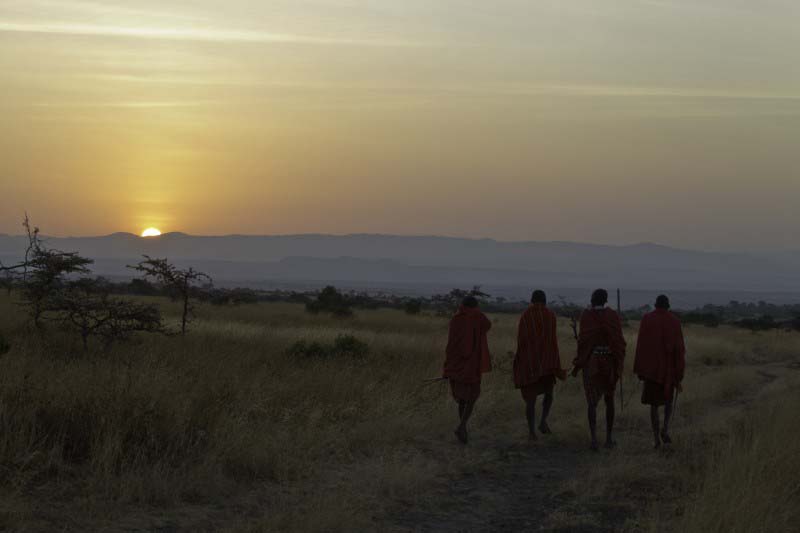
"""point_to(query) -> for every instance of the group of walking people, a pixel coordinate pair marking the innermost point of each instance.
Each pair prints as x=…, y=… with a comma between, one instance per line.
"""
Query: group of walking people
x=659, y=364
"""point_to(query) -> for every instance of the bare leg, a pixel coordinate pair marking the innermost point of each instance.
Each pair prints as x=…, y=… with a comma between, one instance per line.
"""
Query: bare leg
x=654, y=424
x=610, y=421
x=530, y=415
x=593, y=425
x=667, y=417
x=460, y=431
x=548, y=403
x=465, y=411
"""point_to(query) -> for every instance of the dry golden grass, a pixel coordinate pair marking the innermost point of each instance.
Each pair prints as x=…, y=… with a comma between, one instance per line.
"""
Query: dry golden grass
x=223, y=430
x=751, y=482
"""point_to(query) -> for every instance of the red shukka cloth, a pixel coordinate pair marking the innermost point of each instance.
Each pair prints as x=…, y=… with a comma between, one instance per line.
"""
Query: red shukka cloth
x=467, y=347
x=660, y=349
x=537, y=347
x=601, y=327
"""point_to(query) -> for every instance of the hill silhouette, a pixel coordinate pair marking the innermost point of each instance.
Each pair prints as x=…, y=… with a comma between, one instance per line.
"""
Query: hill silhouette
x=430, y=263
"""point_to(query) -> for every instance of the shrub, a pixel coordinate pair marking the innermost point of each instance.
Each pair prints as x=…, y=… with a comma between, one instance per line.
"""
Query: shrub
x=351, y=346
x=330, y=300
x=342, y=346
x=708, y=320
x=764, y=323
x=413, y=307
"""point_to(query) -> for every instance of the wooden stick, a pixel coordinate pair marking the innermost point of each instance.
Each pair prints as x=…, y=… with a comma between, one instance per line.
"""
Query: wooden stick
x=621, y=393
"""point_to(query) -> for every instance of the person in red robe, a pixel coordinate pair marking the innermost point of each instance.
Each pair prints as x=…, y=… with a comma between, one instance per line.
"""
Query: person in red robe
x=537, y=362
x=660, y=363
x=467, y=359
x=601, y=357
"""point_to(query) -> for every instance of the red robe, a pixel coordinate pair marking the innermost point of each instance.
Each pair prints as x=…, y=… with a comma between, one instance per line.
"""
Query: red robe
x=660, y=350
x=601, y=327
x=537, y=347
x=467, y=347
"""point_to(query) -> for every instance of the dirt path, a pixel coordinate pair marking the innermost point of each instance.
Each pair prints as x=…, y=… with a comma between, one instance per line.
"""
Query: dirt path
x=520, y=487
x=513, y=493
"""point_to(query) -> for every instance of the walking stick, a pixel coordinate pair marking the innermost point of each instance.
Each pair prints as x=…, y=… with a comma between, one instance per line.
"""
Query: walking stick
x=573, y=322
x=622, y=370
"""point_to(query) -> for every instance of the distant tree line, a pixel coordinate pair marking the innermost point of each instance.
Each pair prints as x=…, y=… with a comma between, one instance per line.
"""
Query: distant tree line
x=55, y=286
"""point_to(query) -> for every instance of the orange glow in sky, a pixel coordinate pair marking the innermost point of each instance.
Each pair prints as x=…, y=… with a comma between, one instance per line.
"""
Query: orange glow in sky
x=620, y=121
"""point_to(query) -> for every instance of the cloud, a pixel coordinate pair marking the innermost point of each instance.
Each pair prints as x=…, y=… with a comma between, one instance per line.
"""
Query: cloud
x=126, y=104
x=87, y=8
x=189, y=34
x=499, y=89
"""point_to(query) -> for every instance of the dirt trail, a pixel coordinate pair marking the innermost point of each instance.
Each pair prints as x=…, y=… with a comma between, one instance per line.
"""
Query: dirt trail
x=514, y=493
x=520, y=487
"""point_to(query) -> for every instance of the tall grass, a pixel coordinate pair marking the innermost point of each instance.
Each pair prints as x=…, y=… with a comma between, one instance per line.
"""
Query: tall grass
x=752, y=481
x=227, y=418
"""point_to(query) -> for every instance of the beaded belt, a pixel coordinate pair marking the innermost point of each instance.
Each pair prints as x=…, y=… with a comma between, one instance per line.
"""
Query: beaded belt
x=601, y=350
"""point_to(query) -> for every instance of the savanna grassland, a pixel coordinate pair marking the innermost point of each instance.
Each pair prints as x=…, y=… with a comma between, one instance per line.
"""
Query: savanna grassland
x=233, y=428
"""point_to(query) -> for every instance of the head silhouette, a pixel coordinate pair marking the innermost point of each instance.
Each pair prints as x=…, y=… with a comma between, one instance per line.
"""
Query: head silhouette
x=538, y=297
x=470, y=302
x=662, y=302
x=599, y=297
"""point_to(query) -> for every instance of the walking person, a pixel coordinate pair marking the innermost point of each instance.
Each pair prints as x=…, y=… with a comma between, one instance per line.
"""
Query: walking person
x=660, y=364
x=537, y=362
x=601, y=357
x=467, y=358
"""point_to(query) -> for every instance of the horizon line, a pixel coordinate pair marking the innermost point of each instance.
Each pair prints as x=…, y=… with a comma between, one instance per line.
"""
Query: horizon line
x=399, y=235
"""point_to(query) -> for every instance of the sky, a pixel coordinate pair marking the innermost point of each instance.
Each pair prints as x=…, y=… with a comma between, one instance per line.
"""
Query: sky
x=622, y=121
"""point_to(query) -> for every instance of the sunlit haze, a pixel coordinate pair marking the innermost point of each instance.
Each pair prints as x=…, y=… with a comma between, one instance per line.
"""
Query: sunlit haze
x=671, y=121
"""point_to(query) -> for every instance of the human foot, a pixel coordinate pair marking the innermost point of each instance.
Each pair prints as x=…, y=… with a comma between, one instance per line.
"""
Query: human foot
x=665, y=438
x=544, y=428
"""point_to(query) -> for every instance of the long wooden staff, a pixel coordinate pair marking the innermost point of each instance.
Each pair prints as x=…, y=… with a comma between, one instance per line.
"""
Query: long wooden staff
x=573, y=322
x=622, y=373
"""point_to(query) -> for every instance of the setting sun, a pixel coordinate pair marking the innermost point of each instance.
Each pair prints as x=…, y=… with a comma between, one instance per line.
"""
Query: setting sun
x=151, y=232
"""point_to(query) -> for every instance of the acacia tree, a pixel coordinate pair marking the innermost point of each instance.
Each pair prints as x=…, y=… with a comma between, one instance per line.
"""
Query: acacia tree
x=44, y=272
x=181, y=284
x=9, y=280
x=448, y=303
x=87, y=306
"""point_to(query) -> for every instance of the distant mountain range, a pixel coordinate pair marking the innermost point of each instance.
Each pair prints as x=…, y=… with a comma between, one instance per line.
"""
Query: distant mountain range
x=433, y=264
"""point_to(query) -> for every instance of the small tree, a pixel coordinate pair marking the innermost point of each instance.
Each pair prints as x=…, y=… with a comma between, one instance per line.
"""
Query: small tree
x=44, y=273
x=571, y=311
x=330, y=300
x=181, y=284
x=449, y=303
x=87, y=306
x=413, y=307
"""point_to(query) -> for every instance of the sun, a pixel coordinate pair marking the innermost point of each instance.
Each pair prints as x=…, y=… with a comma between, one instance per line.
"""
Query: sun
x=151, y=232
